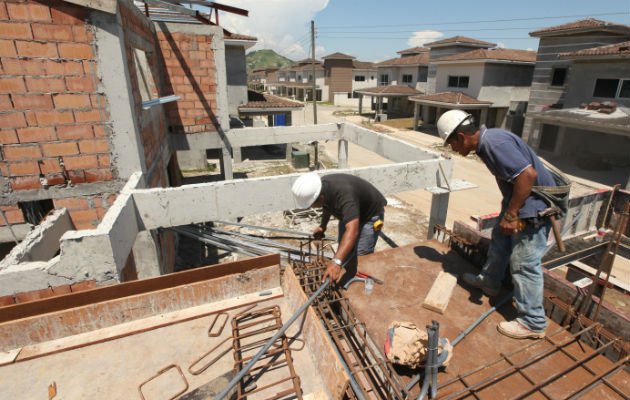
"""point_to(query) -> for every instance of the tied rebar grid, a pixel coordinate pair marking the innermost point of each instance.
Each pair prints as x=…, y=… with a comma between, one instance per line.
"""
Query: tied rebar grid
x=374, y=376
x=246, y=330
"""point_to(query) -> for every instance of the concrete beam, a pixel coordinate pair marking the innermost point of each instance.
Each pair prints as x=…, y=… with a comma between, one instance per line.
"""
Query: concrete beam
x=165, y=207
x=19, y=230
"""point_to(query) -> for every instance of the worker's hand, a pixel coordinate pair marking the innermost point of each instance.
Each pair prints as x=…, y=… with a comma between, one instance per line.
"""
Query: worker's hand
x=333, y=271
x=319, y=233
x=508, y=228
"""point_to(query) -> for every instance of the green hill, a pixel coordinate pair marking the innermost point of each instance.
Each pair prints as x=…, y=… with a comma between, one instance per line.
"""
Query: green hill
x=266, y=58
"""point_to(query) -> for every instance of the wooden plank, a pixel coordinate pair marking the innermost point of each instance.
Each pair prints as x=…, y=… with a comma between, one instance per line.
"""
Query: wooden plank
x=139, y=326
x=125, y=289
x=440, y=293
x=8, y=357
x=593, y=271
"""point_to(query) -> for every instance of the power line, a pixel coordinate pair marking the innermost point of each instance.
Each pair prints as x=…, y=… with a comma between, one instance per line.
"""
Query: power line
x=445, y=30
x=407, y=37
x=475, y=22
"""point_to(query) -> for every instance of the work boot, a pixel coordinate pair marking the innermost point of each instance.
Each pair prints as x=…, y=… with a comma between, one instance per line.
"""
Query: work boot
x=515, y=330
x=489, y=286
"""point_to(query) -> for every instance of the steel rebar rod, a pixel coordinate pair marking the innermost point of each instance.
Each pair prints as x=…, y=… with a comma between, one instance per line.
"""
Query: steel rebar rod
x=264, y=228
x=196, y=236
x=271, y=341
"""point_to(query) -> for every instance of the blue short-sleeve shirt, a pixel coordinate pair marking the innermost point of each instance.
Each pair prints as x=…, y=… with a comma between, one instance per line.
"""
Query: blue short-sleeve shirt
x=506, y=156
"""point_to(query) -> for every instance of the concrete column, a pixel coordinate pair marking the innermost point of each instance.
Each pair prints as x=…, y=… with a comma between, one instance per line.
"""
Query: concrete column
x=557, y=148
x=534, y=139
x=192, y=159
x=425, y=114
x=416, y=111
x=226, y=164
x=342, y=153
x=237, y=155
x=287, y=119
x=439, y=208
x=380, y=106
x=484, y=116
x=438, y=110
x=146, y=255
x=360, y=104
x=289, y=151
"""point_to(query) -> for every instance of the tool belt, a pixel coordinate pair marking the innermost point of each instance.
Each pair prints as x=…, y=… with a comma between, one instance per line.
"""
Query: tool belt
x=556, y=197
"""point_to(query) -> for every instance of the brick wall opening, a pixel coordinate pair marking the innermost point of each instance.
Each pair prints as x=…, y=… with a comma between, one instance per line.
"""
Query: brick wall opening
x=35, y=211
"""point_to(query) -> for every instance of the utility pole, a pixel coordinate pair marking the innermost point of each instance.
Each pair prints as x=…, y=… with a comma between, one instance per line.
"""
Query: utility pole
x=313, y=64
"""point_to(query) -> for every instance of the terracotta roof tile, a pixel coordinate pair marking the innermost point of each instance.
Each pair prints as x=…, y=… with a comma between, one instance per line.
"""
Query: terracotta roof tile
x=422, y=58
x=450, y=97
x=236, y=36
x=617, y=49
x=264, y=100
x=339, y=55
x=390, y=89
x=459, y=39
x=413, y=50
x=493, y=54
x=308, y=61
x=583, y=24
x=363, y=65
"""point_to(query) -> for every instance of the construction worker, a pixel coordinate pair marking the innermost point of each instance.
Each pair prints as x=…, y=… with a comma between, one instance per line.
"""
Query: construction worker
x=519, y=240
x=359, y=207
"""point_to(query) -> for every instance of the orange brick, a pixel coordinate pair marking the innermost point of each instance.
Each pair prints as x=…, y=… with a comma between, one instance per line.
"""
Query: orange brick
x=76, y=84
x=3, y=11
x=12, y=120
x=59, y=149
x=99, y=131
x=80, y=162
x=55, y=179
x=45, y=85
x=22, y=152
x=49, y=166
x=93, y=146
x=5, y=103
x=72, y=101
x=31, y=120
x=12, y=85
x=7, y=48
x=24, y=168
x=81, y=225
x=32, y=101
x=71, y=203
x=8, y=136
x=15, y=30
x=98, y=175
x=36, y=134
x=49, y=32
x=33, y=295
x=7, y=300
x=103, y=160
x=83, y=215
x=54, y=117
x=87, y=116
x=79, y=33
x=75, y=50
x=14, y=66
x=36, y=49
x=18, y=12
x=74, y=132
x=61, y=290
x=77, y=176
x=69, y=15
x=25, y=182
x=13, y=214
x=4, y=171
x=85, y=285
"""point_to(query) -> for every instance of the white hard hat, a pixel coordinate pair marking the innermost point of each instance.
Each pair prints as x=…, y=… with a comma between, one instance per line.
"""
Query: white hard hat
x=450, y=121
x=306, y=189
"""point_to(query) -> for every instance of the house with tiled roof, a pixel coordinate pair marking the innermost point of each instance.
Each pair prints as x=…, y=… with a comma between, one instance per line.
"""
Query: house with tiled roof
x=584, y=61
x=585, y=117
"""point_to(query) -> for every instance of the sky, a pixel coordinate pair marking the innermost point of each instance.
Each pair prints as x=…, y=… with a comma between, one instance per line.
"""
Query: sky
x=375, y=30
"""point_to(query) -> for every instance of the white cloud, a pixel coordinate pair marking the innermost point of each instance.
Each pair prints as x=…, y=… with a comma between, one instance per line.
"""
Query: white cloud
x=501, y=45
x=530, y=49
x=281, y=25
x=419, y=38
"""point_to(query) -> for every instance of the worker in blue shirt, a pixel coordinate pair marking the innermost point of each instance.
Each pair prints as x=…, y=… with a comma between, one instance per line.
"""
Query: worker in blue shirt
x=519, y=240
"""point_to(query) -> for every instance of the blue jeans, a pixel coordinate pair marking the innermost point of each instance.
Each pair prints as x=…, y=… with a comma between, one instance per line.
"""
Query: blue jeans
x=522, y=252
x=366, y=241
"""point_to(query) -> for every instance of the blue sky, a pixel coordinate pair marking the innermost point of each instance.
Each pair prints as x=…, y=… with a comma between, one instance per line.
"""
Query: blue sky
x=375, y=30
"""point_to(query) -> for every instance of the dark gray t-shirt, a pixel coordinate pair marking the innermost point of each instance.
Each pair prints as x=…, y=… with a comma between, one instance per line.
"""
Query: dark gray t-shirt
x=506, y=156
x=348, y=197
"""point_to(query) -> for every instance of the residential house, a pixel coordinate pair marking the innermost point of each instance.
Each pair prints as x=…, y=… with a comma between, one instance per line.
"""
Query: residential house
x=553, y=72
x=492, y=84
x=297, y=81
x=363, y=76
x=410, y=69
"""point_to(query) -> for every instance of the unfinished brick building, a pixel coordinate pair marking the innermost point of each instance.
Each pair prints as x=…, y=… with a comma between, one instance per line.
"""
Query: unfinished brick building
x=80, y=113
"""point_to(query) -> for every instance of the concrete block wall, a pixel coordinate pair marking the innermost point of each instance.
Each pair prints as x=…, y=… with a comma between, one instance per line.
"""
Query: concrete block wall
x=190, y=68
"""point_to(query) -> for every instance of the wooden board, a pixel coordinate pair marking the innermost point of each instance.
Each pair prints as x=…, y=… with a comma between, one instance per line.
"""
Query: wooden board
x=593, y=271
x=440, y=293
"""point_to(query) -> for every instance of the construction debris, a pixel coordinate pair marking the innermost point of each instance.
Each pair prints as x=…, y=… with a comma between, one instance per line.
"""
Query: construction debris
x=440, y=293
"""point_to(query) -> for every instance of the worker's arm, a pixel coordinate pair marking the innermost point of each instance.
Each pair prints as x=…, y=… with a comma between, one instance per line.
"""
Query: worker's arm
x=523, y=184
x=349, y=238
x=319, y=232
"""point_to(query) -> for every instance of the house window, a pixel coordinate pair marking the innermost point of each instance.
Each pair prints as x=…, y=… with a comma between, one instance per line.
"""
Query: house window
x=359, y=78
x=407, y=78
x=299, y=77
x=458, y=81
x=611, y=88
x=146, y=83
x=384, y=79
x=349, y=95
x=327, y=73
x=371, y=77
x=310, y=78
x=558, y=76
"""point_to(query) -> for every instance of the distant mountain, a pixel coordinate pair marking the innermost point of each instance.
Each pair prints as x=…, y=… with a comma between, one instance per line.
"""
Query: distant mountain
x=266, y=58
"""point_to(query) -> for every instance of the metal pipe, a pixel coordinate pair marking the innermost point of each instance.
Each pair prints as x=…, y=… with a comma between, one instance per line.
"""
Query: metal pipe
x=271, y=341
x=264, y=228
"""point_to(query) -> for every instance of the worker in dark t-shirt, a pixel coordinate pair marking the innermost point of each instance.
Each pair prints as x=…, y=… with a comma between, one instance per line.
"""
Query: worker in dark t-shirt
x=358, y=206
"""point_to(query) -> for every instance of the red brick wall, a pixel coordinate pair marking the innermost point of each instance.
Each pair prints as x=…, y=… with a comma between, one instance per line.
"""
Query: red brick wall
x=50, y=109
x=86, y=212
x=189, y=62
